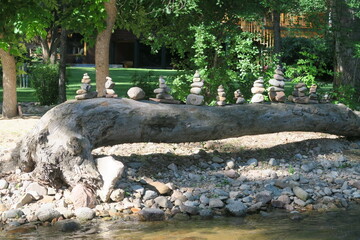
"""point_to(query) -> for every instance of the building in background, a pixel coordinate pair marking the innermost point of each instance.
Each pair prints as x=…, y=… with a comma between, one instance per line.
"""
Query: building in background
x=125, y=50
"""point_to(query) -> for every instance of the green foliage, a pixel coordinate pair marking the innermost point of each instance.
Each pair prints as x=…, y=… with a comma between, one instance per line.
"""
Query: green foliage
x=291, y=170
x=307, y=69
x=147, y=81
x=293, y=46
x=347, y=95
x=20, y=23
x=44, y=79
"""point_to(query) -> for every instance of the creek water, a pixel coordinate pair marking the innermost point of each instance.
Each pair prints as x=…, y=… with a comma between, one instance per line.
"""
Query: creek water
x=276, y=225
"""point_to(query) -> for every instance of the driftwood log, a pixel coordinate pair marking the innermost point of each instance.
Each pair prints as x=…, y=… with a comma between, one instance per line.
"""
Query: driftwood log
x=58, y=149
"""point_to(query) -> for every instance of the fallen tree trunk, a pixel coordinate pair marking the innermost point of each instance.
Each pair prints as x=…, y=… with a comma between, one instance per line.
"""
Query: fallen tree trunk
x=58, y=149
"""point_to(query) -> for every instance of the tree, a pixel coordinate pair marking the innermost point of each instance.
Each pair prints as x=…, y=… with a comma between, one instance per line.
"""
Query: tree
x=102, y=47
x=346, y=22
x=19, y=23
x=50, y=43
x=58, y=150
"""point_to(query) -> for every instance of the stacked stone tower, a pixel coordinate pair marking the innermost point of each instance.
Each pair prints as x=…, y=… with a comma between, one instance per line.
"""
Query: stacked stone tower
x=84, y=92
x=276, y=90
x=257, y=90
x=221, y=96
x=195, y=97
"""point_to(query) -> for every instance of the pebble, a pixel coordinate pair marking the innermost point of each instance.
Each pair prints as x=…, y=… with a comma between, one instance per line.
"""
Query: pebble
x=236, y=208
x=216, y=203
x=273, y=162
x=163, y=202
x=151, y=214
x=47, y=213
x=230, y=164
x=117, y=195
x=68, y=225
x=252, y=162
x=217, y=159
x=301, y=193
x=84, y=213
x=3, y=184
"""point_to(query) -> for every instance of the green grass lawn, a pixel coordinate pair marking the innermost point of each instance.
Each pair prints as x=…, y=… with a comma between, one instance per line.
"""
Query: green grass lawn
x=121, y=76
x=123, y=79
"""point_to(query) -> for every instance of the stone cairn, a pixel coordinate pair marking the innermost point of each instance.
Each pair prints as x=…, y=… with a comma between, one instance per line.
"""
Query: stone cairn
x=163, y=92
x=257, y=90
x=221, y=96
x=239, y=97
x=313, y=98
x=109, y=88
x=276, y=90
x=84, y=91
x=194, y=98
x=326, y=98
x=299, y=94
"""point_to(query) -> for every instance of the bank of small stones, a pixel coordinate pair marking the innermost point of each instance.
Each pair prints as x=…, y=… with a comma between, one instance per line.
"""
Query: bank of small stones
x=214, y=185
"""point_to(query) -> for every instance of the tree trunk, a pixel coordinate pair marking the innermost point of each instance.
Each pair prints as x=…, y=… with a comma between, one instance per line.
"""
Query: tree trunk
x=347, y=33
x=102, y=48
x=9, y=107
x=58, y=149
x=277, y=31
x=45, y=50
x=62, y=68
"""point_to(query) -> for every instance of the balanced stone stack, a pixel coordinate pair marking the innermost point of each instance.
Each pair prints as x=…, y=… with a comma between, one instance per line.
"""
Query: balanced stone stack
x=239, y=97
x=326, y=98
x=84, y=92
x=257, y=90
x=276, y=90
x=194, y=98
x=299, y=94
x=221, y=96
x=313, y=98
x=163, y=92
x=109, y=88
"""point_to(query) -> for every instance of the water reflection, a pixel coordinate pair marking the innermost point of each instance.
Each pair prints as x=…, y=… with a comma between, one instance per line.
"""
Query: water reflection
x=275, y=226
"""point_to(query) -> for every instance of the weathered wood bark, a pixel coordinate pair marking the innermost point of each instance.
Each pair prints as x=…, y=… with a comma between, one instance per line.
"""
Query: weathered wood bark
x=59, y=148
x=62, y=68
x=347, y=33
x=277, y=31
x=102, y=48
x=9, y=107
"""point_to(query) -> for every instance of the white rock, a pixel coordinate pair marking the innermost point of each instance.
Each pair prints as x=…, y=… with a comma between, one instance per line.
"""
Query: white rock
x=85, y=213
x=257, y=98
x=37, y=188
x=47, y=213
x=216, y=203
x=117, y=195
x=149, y=194
x=111, y=171
x=136, y=93
x=3, y=184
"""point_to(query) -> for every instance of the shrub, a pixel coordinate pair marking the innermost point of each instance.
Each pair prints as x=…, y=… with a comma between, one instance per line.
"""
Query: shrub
x=44, y=79
x=309, y=69
x=347, y=95
x=308, y=59
x=147, y=81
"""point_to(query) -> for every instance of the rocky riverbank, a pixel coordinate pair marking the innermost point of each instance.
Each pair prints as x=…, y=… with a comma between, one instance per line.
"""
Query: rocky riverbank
x=296, y=172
